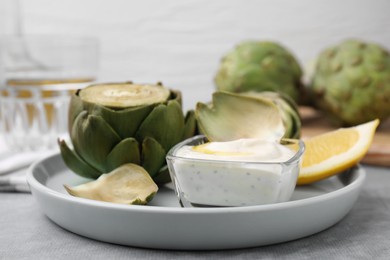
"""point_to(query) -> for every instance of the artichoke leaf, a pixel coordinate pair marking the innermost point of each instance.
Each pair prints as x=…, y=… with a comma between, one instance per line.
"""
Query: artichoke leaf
x=233, y=116
x=93, y=139
x=128, y=184
x=153, y=156
x=288, y=110
x=127, y=151
x=176, y=95
x=75, y=163
x=162, y=176
x=189, y=125
x=75, y=108
x=165, y=124
x=125, y=122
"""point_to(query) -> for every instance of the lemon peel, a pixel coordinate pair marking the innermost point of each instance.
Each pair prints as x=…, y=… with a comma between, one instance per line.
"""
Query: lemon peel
x=336, y=151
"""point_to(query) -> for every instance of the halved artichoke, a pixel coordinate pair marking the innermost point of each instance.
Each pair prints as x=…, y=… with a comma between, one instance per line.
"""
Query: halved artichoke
x=127, y=184
x=234, y=116
x=288, y=110
x=118, y=123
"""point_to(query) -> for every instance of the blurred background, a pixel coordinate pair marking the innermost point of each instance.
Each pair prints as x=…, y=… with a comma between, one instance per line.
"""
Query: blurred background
x=181, y=42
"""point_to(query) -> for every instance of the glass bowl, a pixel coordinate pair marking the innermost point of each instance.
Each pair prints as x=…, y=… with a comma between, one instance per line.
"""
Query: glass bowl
x=212, y=183
x=39, y=73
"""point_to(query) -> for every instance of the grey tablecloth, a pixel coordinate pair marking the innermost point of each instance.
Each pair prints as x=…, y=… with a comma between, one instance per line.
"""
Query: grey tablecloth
x=26, y=233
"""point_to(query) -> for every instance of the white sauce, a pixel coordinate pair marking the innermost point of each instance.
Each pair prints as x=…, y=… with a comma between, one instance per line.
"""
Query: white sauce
x=243, y=150
x=230, y=183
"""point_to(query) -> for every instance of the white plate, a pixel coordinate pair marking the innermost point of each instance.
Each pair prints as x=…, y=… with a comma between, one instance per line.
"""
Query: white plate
x=163, y=224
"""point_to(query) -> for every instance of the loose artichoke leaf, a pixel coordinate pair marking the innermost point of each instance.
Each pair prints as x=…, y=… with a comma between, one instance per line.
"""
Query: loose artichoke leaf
x=75, y=163
x=233, y=116
x=296, y=126
x=153, y=156
x=165, y=124
x=93, y=139
x=127, y=151
x=124, y=95
x=128, y=184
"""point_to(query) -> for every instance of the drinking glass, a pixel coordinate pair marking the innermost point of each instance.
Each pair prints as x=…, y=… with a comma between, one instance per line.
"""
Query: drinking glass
x=38, y=74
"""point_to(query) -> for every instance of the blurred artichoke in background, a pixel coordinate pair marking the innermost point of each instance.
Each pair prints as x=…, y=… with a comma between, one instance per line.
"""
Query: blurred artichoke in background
x=260, y=66
x=114, y=124
x=351, y=83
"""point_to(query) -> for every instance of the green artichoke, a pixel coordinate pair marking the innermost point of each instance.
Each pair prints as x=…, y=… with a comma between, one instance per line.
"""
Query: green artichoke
x=260, y=66
x=288, y=110
x=233, y=116
x=351, y=82
x=114, y=124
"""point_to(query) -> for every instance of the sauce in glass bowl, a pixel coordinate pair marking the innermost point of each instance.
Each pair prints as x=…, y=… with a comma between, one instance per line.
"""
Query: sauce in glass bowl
x=238, y=173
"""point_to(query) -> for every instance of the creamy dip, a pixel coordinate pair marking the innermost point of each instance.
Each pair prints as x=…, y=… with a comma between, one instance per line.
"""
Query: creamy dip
x=236, y=173
x=243, y=150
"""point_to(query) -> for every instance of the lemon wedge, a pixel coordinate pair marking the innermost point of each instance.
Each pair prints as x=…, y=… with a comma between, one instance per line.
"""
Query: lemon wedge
x=335, y=151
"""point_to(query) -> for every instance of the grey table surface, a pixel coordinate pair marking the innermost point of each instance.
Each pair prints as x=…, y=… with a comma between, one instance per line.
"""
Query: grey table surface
x=26, y=233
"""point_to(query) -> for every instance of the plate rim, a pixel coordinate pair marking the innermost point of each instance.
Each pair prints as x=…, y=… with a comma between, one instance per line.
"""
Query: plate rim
x=35, y=184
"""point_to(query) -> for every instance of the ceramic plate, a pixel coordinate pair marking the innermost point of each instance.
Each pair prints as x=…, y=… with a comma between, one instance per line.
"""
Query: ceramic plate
x=165, y=225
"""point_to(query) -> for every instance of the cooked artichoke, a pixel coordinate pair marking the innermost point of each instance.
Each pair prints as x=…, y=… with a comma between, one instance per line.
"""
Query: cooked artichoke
x=128, y=184
x=288, y=110
x=234, y=116
x=118, y=123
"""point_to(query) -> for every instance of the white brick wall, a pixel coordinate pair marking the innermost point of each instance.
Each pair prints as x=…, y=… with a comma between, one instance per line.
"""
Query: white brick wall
x=181, y=42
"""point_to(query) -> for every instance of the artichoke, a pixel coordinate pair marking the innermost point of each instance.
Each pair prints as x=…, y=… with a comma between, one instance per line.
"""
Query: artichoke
x=351, y=82
x=127, y=184
x=288, y=110
x=234, y=116
x=114, y=124
x=260, y=66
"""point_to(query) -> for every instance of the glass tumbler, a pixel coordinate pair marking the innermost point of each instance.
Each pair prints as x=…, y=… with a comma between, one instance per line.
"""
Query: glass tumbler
x=38, y=74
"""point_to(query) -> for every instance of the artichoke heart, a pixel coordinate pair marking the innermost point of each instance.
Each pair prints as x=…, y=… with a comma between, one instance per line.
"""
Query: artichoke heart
x=236, y=116
x=124, y=95
x=128, y=184
x=113, y=124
